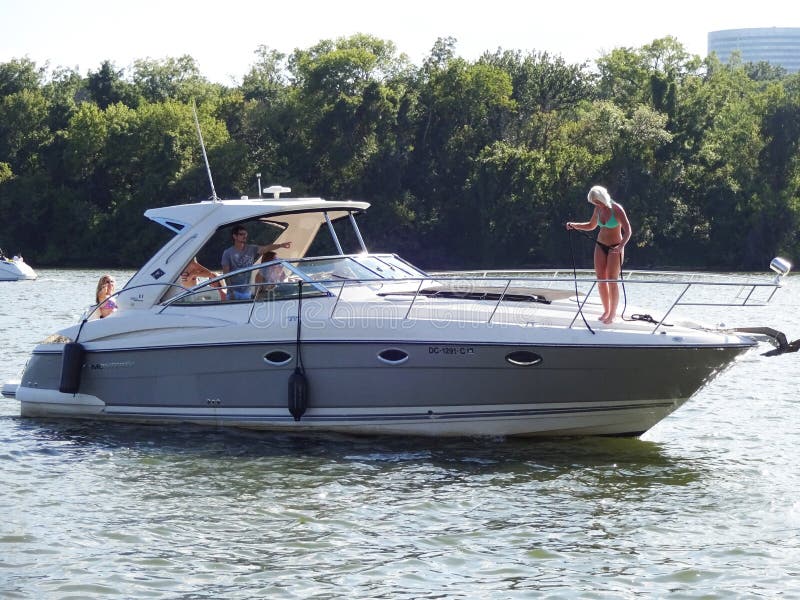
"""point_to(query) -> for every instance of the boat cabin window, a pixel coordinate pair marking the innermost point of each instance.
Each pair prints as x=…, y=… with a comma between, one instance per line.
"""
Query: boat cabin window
x=359, y=267
x=261, y=292
x=332, y=269
x=280, y=279
x=390, y=266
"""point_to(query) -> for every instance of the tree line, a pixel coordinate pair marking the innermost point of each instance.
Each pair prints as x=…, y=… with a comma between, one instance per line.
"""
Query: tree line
x=466, y=163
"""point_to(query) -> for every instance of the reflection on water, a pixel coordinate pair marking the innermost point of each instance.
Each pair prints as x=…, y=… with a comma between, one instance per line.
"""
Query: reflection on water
x=241, y=508
x=472, y=455
x=704, y=506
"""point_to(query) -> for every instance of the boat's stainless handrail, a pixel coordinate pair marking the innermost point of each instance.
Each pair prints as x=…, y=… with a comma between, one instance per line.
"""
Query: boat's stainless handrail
x=416, y=294
x=338, y=297
x=336, y=287
x=123, y=293
x=208, y=285
x=581, y=304
x=499, y=300
x=774, y=291
x=674, y=304
x=506, y=282
x=567, y=273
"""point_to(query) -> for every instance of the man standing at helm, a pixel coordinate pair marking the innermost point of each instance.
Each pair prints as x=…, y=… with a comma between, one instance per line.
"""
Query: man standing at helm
x=239, y=256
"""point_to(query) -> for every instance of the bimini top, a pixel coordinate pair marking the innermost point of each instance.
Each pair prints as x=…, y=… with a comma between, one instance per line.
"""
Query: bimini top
x=296, y=219
x=183, y=216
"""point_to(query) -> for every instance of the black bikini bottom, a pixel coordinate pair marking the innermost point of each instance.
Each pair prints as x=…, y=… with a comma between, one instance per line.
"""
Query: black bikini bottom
x=603, y=247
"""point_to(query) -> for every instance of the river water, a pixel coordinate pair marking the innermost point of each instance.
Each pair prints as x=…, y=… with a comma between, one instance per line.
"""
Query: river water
x=704, y=505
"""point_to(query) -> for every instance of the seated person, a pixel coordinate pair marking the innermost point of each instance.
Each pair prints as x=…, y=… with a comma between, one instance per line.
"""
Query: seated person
x=240, y=256
x=271, y=274
x=105, y=288
x=194, y=270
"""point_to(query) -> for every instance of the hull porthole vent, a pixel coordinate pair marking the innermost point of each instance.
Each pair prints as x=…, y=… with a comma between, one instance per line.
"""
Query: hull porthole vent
x=393, y=356
x=523, y=358
x=277, y=358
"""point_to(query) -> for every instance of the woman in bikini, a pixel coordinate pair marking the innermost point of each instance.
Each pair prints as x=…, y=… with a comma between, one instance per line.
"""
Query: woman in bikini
x=609, y=250
x=105, y=288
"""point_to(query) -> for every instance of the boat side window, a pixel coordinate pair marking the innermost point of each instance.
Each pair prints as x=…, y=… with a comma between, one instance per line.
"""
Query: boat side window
x=287, y=290
x=334, y=269
x=205, y=294
x=389, y=266
x=263, y=292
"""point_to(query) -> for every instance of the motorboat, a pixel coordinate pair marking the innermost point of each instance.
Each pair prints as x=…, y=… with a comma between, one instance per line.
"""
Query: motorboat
x=15, y=268
x=344, y=340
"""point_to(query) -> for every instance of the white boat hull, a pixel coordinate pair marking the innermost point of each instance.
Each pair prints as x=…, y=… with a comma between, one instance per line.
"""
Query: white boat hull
x=15, y=270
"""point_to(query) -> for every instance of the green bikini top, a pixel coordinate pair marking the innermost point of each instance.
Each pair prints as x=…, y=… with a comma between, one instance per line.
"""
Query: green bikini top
x=611, y=223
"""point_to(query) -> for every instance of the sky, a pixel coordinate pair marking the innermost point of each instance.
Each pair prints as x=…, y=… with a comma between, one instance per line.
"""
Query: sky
x=223, y=37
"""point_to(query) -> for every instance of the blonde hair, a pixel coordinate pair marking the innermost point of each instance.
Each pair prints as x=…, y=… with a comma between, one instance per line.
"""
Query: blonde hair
x=100, y=284
x=599, y=194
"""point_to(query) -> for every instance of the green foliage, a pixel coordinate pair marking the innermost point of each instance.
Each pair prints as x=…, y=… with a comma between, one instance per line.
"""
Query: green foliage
x=266, y=80
x=23, y=129
x=177, y=79
x=19, y=74
x=466, y=163
x=107, y=86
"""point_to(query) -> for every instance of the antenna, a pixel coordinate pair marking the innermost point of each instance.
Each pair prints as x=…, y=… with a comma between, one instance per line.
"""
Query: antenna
x=277, y=190
x=203, y=148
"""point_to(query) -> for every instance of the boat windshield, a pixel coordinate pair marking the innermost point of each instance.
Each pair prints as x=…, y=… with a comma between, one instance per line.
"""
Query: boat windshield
x=359, y=267
x=280, y=279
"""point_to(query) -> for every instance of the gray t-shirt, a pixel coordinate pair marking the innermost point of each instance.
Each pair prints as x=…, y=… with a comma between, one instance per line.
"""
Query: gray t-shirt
x=233, y=260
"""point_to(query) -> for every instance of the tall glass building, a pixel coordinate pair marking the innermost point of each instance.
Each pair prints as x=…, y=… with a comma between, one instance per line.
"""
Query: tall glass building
x=779, y=46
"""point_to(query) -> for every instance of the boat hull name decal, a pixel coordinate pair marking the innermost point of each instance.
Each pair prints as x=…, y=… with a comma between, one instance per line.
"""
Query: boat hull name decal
x=123, y=364
x=451, y=350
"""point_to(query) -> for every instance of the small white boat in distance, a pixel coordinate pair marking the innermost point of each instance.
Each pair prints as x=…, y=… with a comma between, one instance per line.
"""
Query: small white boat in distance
x=15, y=268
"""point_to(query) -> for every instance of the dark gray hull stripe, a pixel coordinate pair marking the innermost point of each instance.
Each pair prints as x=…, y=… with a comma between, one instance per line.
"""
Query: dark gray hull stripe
x=416, y=343
x=371, y=417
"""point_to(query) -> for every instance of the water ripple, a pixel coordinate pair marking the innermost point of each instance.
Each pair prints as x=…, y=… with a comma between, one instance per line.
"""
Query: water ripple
x=704, y=506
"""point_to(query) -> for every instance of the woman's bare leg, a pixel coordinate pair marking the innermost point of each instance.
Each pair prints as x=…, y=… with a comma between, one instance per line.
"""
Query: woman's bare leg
x=600, y=263
x=613, y=270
